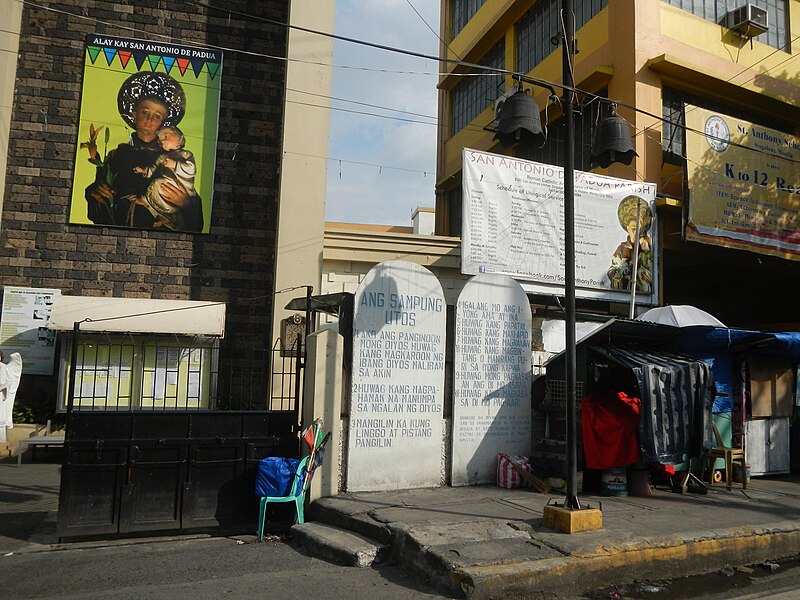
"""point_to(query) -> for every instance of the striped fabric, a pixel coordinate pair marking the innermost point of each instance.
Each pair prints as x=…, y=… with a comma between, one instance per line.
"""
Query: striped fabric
x=677, y=393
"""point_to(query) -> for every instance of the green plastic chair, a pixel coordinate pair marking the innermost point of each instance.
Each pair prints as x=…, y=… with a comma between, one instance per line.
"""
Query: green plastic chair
x=315, y=437
x=300, y=485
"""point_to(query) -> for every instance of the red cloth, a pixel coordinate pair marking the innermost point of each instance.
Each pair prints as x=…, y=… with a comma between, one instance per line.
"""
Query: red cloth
x=610, y=426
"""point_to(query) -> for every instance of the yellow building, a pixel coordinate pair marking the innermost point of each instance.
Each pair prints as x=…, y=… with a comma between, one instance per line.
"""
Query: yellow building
x=656, y=56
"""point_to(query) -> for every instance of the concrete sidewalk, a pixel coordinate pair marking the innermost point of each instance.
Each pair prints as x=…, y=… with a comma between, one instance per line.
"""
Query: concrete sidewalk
x=28, y=503
x=487, y=542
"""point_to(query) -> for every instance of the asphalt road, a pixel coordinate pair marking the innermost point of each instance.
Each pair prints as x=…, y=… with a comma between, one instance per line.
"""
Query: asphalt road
x=195, y=569
x=774, y=580
x=200, y=567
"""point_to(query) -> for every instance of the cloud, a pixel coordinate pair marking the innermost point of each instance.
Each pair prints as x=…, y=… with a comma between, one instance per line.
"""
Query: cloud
x=400, y=155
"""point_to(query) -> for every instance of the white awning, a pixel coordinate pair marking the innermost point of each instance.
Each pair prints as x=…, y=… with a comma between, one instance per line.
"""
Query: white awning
x=138, y=315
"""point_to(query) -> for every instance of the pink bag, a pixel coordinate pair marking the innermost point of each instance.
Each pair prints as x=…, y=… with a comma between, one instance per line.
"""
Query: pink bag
x=507, y=476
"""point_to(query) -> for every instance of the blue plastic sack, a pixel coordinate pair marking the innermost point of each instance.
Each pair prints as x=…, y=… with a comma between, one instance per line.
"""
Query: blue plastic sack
x=275, y=476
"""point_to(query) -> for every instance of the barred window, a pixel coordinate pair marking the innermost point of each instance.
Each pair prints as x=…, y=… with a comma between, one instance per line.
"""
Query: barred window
x=475, y=92
x=141, y=373
x=715, y=10
x=461, y=11
x=552, y=152
x=673, y=134
x=541, y=23
x=454, y=211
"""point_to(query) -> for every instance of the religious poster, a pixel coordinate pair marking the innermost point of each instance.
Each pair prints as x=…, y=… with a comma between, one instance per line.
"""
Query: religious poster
x=23, y=328
x=513, y=224
x=743, y=184
x=147, y=135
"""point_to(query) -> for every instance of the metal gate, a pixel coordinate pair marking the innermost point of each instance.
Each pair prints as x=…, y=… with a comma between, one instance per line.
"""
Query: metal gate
x=171, y=460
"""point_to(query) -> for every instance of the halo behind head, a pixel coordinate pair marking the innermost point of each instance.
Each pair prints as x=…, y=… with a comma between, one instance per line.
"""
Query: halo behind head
x=155, y=86
x=629, y=206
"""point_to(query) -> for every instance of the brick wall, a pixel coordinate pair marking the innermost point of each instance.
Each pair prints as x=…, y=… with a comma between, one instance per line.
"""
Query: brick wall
x=234, y=262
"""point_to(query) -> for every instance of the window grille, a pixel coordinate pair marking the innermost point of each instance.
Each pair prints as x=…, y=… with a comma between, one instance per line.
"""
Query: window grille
x=461, y=11
x=541, y=23
x=157, y=373
x=715, y=11
x=475, y=92
x=673, y=129
x=555, y=395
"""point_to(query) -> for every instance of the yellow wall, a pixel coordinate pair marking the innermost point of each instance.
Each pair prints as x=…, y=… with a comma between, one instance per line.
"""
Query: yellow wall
x=635, y=47
x=496, y=19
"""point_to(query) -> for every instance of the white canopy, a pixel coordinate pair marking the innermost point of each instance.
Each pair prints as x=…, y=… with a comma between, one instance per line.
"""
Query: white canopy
x=680, y=315
x=138, y=315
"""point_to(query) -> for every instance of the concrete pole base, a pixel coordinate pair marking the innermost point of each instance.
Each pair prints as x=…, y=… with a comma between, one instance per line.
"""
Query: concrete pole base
x=572, y=521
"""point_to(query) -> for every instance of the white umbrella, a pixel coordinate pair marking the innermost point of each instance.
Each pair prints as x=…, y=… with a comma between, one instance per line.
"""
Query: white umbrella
x=680, y=315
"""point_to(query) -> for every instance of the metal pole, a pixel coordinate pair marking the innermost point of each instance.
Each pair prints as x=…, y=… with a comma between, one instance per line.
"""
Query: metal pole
x=298, y=382
x=309, y=312
x=567, y=22
x=302, y=354
x=73, y=365
x=635, y=272
x=73, y=372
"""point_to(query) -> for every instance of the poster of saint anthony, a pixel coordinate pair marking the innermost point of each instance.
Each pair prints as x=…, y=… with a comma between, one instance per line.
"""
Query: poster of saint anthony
x=146, y=135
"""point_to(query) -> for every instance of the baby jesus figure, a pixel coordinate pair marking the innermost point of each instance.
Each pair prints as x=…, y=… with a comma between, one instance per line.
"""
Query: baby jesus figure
x=176, y=167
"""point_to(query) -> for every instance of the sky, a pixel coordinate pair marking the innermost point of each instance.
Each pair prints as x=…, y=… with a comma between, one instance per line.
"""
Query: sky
x=380, y=169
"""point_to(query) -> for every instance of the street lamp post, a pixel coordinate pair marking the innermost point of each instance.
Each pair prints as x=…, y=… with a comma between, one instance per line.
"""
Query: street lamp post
x=568, y=54
x=518, y=123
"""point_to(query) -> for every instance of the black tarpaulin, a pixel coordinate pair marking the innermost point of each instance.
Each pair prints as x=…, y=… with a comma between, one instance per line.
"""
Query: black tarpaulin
x=677, y=393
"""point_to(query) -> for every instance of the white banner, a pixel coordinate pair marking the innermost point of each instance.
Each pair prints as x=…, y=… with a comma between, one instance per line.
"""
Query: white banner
x=513, y=223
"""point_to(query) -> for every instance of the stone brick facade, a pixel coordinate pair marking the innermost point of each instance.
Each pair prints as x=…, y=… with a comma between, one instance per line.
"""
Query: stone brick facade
x=233, y=263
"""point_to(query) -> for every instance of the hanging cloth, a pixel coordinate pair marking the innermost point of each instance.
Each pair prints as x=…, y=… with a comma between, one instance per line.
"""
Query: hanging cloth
x=677, y=393
x=610, y=428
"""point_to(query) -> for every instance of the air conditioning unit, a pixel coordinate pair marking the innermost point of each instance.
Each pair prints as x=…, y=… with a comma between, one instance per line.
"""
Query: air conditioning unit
x=748, y=20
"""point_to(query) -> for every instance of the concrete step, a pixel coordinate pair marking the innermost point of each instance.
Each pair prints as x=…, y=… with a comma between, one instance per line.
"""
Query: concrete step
x=347, y=515
x=337, y=545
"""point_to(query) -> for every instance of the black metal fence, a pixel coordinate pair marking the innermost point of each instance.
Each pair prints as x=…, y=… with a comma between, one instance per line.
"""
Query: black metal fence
x=165, y=433
x=174, y=373
x=244, y=384
x=166, y=470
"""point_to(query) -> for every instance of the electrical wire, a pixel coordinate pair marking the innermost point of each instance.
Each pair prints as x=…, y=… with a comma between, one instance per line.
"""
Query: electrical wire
x=731, y=78
x=384, y=47
x=361, y=112
x=355, y=162
x=438, y=37
x=490, y=70
x=153, y=312
x=486, y=70
x=378, y=106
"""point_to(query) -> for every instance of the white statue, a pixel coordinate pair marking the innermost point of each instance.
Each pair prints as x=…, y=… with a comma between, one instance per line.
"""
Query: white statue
x=10, y=374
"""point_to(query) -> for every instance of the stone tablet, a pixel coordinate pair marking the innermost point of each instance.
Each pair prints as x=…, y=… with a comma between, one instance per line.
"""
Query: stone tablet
x=491, y=377
x=396, y=422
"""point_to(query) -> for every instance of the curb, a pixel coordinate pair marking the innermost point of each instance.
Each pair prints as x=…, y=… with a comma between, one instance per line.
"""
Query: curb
x=337, y=545
x=325, y=511
x=670, y=558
